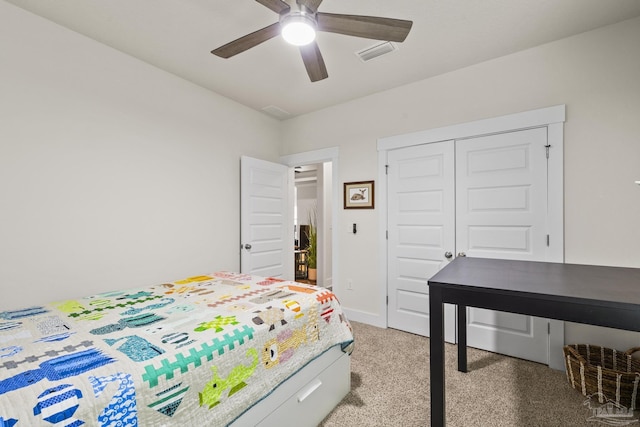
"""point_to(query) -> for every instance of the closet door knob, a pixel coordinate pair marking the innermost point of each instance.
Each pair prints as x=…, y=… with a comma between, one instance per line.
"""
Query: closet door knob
x=461, y=254
x=247, y=246
x=448, y=255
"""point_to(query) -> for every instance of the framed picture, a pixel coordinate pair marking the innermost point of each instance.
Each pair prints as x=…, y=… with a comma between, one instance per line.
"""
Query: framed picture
x=359, y=195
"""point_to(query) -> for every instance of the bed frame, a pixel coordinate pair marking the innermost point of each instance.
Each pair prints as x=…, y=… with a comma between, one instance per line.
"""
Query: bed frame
x=309, y=395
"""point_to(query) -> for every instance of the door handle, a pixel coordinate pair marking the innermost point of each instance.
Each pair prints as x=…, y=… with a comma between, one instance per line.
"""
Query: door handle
x=448, y=255
x=247, y=246
x=461, y=254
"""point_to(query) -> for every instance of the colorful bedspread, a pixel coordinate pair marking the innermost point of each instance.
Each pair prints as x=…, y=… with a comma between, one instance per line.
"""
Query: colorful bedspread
x=194, y=352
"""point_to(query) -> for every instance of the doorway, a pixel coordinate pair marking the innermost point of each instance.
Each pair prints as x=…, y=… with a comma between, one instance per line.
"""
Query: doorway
x=318, y=175
x=313, y=202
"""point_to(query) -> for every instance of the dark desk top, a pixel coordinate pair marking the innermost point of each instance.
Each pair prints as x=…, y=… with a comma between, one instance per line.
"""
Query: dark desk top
x=605, y=286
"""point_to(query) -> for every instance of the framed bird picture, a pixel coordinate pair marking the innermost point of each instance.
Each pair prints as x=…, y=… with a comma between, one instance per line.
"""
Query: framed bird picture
x=359, y=195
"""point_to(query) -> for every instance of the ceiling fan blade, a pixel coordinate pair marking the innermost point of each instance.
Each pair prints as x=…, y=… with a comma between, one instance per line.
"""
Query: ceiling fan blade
x=310, y=4
x=369, y=27
x=313, y=62
x=247, y=42
x=278, y=6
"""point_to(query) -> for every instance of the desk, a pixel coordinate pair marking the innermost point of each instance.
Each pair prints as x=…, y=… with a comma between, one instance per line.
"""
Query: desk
x=596, y=295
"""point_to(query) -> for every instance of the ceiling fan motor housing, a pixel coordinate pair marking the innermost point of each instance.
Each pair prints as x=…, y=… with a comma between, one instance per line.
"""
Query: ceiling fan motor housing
x=298, y=27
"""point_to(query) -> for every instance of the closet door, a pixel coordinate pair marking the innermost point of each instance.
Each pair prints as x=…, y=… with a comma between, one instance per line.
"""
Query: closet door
x=421, y=232
x=501, y=212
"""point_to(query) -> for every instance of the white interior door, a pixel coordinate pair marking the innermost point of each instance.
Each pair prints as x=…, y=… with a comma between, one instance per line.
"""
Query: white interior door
x=421, y=231
x=266, y=218
x=501, y=212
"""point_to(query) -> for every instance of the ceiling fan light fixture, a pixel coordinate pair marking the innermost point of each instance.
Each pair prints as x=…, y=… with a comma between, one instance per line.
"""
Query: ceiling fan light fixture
x=298, y=28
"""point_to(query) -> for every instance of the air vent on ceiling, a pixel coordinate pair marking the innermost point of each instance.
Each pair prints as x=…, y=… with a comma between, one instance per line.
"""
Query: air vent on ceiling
x=375, y=51
x=276, y=112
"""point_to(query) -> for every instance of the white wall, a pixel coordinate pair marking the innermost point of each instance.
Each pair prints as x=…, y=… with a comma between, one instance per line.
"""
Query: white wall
x=596, y=74
x=306, y=200
x=112, y=173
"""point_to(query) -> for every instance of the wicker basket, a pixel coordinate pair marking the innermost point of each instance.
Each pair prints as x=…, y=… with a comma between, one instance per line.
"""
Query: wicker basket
x=610, y=374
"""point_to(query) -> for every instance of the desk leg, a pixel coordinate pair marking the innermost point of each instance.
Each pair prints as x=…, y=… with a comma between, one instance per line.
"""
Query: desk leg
x=462, y=338
x=436, y=357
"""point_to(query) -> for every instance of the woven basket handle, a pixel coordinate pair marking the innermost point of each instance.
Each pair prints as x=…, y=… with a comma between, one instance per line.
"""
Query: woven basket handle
x=632, y=350
x=577, y=355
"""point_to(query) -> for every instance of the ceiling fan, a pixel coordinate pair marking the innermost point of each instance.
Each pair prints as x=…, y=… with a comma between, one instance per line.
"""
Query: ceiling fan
x=303, y=23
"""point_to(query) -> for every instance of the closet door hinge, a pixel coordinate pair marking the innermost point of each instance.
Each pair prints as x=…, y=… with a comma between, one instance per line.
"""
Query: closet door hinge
x=387, y=234
x=548, y=328
x=547, y=240
x=387, y=299
x=547, y=148
x=386, y=169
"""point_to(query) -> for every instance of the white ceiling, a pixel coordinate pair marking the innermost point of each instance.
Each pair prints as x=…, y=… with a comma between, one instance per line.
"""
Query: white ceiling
x=178, y=35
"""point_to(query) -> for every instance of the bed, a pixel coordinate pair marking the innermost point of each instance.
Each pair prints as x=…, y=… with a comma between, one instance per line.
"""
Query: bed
x=215, y=350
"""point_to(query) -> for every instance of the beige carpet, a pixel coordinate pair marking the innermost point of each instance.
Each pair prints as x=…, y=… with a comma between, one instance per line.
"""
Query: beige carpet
x=390, y=387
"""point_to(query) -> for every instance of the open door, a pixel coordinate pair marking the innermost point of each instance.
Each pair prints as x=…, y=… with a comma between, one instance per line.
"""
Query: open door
x=266, y=218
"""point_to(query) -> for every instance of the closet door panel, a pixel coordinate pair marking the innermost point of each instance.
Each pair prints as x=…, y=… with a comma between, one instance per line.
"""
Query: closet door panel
x=501, y=212
x=421, y=230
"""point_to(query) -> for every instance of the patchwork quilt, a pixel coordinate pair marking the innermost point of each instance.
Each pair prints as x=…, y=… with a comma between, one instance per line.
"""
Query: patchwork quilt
x=198, y=351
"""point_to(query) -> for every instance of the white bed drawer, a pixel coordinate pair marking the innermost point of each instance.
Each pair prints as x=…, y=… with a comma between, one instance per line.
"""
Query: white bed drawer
x=311, y=403
x=319, y=386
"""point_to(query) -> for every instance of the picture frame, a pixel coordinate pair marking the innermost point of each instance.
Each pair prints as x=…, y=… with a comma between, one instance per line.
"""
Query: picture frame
x=359, y=195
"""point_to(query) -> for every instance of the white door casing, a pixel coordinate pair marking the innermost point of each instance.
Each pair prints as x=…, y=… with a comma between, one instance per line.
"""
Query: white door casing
x=421, y=213
x=501, y=212
x=266, y=218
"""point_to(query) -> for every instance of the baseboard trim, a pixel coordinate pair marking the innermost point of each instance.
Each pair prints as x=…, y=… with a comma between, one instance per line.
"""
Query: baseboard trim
x=364, y=317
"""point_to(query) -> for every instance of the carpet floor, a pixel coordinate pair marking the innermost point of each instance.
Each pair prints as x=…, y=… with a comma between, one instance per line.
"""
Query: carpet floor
x=390, y=387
